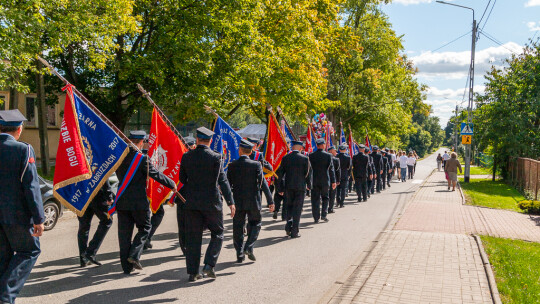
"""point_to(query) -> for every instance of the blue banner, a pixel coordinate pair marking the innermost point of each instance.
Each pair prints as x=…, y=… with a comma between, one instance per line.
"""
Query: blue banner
x=342, y=139
x=225, y=142
x=288, y=134
x=104, y=151
x=330, y=142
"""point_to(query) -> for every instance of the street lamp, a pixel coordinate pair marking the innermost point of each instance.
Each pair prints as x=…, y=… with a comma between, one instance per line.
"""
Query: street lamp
x=467, y=174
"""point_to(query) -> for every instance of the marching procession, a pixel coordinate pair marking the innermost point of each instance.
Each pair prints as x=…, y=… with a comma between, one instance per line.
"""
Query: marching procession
x=195, y=174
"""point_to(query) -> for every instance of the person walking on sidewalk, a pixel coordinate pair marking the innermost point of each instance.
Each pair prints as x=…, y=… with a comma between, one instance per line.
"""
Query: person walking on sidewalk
x=445, y=157
x=439, y=162
x=411, y=160
x=451, y=170
x=403, y=166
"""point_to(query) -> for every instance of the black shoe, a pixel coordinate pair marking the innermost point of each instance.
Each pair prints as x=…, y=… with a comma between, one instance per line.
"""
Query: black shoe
x=325, y=219
x=389, y=186
x=365, y=200
x=209, y=271
x=330, y=211
x=316, y=221
x=195, y=277
x=148, y=245
x=295, y=236
x=92, y=260
x=136, y=263
x=240, y=259
x=250, y=255
x=84, y=261
x=275, y=215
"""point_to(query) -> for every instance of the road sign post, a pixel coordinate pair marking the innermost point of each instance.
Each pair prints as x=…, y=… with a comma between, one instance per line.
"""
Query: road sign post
x=467, y=130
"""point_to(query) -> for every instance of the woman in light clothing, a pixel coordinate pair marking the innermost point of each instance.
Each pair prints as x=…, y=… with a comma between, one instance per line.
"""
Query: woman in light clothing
x=439, y=162
x=411, y=161
x=403, y=166
x=451, y=170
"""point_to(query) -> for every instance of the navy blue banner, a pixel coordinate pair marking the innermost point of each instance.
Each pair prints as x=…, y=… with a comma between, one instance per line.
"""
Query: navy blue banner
x=225, y=142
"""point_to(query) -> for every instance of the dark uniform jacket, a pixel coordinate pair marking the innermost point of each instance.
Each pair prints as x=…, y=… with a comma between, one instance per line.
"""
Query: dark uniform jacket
x=361, y=166
x=247, y=179
x=322, y=168
x=261, y=159
x=134, y=197
x=345, y=165
x=104, y=195
x=201, y=172
x=20, y=195
x=390, y=163
x=295, y=169
x=377, y=161
x=386, y=165
x=337, y=168
x=371, y=165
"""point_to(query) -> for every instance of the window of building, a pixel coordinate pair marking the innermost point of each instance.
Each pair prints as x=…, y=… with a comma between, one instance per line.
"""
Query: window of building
x=3, y=103
x=31, y=111
x=51, y=115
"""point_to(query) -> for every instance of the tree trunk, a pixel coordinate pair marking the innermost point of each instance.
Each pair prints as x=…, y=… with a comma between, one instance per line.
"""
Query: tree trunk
x=494, y=168
x=42, y=120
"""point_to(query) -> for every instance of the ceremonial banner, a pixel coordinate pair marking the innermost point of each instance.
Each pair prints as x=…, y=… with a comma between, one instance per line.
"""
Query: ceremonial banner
x=165, y=152
x=368, y=142
x=311, y=146
x=287, y=132
x=329, y=142
x=356, y=149
x=226, y=142
x=276, y=146
x=342, y=139
x=71, y=155
x=351, y=144
x=104, y=151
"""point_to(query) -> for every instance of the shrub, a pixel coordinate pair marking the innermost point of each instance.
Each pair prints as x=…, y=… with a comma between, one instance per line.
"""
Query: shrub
x=530, y=206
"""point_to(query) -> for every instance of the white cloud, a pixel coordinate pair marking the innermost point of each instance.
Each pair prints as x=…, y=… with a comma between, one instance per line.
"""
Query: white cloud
x=409, y=2
x=532, y=3
x=455, y=65
x=443, y=101
x=533, y=26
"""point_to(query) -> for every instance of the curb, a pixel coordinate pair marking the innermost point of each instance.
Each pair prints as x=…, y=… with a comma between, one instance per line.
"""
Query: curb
x=338, y=284
x=463, y=200
x=495, y=296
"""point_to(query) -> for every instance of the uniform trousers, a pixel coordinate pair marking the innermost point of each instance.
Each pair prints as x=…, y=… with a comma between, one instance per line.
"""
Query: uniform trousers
x=253, y=228
x=294, y=201
x=278, y=199
x=384, y=179
x=389, y=177
x=127, y=221
x=19, y=251
x=155, y=221
x=319, y=193
x=195, y=222
x=342, y=191
x=379, y=185
x=105, y=223
x=361, y=188
x=181, y=220
x=332, y=199
x=350, y=184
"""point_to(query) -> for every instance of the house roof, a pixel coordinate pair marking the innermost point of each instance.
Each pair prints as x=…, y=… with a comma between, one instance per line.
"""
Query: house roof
x=253, y=130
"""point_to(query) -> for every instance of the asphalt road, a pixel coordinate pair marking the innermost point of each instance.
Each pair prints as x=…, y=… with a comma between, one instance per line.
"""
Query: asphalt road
x=286, y=271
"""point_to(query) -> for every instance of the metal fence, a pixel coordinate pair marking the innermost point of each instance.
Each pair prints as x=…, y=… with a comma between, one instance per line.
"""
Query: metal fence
x=525, y=175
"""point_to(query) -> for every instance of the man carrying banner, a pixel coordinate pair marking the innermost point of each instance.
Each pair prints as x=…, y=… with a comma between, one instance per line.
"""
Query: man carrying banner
x=203, y=177
x=294, y=178
x=345, y=166
x=324, y=179
x=337, y=171
x=21, y=208
x=132, y=203
x=246, y=178
x=98, y=207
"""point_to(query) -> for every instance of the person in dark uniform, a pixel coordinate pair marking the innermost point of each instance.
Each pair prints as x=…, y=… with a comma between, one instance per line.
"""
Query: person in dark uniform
x=98, y=207
x=279, y=200
x=257, y=155
x=371, y=170
x=323, y=179
x=345, y=166
x=360, y=163
x=203, y=177
x=246, y=178
x=295, y=172
x=385, y=169
x=133, y=207
x=180, y=213
x=337, y=172
x=21, y=207
x=390, y=167
x=155, y=221
x=378, y=166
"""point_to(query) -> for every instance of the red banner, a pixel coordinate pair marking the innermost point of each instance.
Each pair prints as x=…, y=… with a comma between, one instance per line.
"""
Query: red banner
x=276, y=146
x=351, y=143
x=309, y=140
x=71, y=163
x=165, y=152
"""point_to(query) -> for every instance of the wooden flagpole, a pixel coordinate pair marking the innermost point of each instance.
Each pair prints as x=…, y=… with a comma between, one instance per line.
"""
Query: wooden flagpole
x=286, y=123
x=90, y=105
x=167, y=121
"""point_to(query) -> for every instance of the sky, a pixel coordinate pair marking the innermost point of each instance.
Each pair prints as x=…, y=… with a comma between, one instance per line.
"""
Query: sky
x=427, y=27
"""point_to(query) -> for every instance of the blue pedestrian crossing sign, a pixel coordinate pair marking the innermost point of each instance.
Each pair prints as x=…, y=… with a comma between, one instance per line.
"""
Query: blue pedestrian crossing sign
x=466, y=129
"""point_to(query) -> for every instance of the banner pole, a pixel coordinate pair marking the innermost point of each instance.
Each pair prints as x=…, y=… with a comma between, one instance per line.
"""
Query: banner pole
x=90, y=105
x=286, y=123
x=163, y=116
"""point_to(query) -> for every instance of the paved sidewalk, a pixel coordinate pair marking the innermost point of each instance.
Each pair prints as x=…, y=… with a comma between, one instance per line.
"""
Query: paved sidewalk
x=429, y=257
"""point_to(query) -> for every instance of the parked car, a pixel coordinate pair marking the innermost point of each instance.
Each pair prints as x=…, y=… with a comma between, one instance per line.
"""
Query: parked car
x=51, y=206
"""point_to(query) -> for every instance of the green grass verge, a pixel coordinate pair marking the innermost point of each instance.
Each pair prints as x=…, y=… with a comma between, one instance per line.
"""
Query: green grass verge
x=49, y=176
x=515, y=264
x=476, y=170
x=492, y=194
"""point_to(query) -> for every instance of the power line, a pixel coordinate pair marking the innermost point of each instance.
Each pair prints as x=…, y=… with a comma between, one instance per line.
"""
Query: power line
x=490, y=37
x=451, y=42
x=489, y=15
x=485, y=10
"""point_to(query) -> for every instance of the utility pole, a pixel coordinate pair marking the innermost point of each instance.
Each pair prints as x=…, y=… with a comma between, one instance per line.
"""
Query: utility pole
x=456, y=130
x=467, y=174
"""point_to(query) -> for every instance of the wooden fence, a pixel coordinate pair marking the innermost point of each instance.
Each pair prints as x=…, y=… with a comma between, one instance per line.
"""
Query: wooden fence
x=525, y=175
